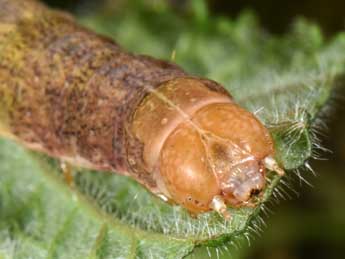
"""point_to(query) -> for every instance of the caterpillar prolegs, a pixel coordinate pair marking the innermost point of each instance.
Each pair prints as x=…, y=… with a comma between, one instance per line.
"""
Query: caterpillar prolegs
x=77, y=96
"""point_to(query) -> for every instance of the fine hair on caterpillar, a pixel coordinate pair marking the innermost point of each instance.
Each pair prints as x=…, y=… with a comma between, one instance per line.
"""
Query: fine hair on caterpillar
x=81, y=98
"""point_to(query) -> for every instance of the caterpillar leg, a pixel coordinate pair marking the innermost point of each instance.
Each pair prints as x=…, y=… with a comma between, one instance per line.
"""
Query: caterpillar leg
x=272, y=165
x=219, y=205
x=67, y=173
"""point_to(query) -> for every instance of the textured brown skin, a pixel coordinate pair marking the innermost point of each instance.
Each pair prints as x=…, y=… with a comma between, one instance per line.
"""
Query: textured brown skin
x=72, y=94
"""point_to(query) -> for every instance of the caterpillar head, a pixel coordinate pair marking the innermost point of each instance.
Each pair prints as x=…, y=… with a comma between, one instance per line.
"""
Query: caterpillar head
x=218, y=158
x=204, y=150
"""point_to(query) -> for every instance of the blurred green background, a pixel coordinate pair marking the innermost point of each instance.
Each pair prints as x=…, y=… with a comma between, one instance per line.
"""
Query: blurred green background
x=310, y=224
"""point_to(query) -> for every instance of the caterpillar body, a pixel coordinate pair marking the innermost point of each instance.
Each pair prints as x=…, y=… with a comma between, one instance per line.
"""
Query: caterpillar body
x=77, y=96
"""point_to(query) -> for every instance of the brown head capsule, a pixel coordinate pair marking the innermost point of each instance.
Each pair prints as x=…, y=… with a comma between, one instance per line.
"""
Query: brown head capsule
x=205, y=150
x=81, y=98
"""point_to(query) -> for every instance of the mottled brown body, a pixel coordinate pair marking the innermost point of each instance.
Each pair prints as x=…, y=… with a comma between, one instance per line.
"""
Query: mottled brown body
x=80, y=97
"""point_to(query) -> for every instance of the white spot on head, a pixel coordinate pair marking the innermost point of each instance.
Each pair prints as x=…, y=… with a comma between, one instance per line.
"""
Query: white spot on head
x=271, y=164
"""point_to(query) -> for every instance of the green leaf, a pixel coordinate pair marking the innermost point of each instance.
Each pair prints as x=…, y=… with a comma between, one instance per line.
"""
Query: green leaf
x=286, y=80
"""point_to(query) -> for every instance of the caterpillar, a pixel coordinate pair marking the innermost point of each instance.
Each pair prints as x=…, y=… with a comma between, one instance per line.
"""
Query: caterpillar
x=81, y=98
